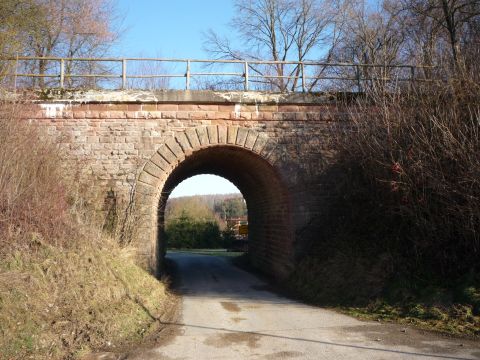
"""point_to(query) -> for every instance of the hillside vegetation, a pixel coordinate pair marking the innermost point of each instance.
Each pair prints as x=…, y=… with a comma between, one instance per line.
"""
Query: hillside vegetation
x=66, y=288
x=401, y=238
x=215, y=207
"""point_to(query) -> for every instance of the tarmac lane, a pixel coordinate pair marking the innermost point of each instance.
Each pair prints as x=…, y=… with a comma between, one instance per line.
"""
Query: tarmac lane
x=228, y=313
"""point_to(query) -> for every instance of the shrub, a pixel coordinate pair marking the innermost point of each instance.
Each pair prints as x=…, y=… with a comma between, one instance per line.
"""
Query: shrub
x=416, y=154
x=186, y=232
x=228, y=237
x=33, y=194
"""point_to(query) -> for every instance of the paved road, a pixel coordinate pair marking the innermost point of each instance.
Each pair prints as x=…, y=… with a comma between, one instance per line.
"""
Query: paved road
x=228, y=313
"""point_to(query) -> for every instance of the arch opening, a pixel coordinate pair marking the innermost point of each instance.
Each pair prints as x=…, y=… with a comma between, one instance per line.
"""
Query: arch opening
x=270, y=229
x=204, y=213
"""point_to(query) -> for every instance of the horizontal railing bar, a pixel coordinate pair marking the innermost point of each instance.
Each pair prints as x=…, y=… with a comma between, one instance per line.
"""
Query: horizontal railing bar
x=276, y=76
x=153, y=76
x=31, y=75
x=226, y=74
x=92, y=75
x=66, y=75
x=54, y=58
x=217, y=74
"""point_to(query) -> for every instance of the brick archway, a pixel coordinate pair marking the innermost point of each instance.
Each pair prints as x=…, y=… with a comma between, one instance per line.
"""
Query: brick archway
x=243, y=156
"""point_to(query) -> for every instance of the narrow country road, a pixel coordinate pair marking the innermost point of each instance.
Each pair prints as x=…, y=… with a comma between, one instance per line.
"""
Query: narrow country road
x=228, y=313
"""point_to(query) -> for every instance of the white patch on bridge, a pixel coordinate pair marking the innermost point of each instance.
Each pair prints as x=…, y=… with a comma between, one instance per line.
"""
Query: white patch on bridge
x=51, y=110
x=237, y=110
x=252, y=96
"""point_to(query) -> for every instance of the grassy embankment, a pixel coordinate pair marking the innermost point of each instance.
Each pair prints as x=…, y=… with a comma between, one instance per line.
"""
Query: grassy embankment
x=400, y=241
x=66, y=287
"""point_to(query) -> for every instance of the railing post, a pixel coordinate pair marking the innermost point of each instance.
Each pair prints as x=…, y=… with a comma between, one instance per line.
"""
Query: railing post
x=412, y=76
x=187, y=75
x=302, y=66
x=62, y=73
x=359, y=85
x=124, y=73
x=15, y=76
x=246, y=76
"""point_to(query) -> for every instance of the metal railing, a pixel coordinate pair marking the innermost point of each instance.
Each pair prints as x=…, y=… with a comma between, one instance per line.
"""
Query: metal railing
x=302, y=76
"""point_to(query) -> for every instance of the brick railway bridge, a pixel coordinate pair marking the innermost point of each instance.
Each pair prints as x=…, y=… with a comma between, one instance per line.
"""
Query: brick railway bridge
x=273, y=147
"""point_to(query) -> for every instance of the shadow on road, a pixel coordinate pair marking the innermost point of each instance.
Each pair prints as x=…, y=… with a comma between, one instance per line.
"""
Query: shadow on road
x=288, y=338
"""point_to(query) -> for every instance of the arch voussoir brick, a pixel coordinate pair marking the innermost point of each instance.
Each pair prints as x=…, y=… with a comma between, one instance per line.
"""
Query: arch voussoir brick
x=192, y=137
x=147, y=178
x=151, y=168
x=222, y=134
x=167, y=154
x=202, y=136
x=232, y=134
x=175, y=148
x=182, y=140
x=241, y=136
x=212, y=132
x=260, y=143
x=159, y=161
x=250, y=139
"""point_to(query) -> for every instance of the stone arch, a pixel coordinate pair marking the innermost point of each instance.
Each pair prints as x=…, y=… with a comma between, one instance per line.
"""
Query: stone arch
x=244, y=156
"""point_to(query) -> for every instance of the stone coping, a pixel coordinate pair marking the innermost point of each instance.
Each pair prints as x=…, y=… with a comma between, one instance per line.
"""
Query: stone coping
x=174, y=96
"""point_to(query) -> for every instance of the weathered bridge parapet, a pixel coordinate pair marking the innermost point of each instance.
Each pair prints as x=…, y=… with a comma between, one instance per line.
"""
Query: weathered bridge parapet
x=273, y=147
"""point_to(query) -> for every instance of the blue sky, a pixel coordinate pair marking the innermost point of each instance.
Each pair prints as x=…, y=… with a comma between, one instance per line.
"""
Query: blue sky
x=171, y=28
x=204, y=184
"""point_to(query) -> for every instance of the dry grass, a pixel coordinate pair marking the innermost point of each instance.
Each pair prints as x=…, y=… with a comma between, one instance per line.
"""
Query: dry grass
x=66, y=288
x=456, y=319
x=62, y=303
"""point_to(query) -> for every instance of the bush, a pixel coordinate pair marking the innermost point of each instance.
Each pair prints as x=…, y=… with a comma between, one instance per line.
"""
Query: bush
x=188, y=233
x=33, y=195
x=416, y=154
x=228, y=237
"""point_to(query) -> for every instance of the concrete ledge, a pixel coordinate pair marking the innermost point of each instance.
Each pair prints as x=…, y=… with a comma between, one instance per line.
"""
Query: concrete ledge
x=177, y=96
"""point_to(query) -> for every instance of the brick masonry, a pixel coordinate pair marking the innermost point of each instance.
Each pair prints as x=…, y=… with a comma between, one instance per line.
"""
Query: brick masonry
x=273, y=147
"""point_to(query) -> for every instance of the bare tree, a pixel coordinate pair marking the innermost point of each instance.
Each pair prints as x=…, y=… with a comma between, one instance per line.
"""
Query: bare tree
x=17, y=17
x=148, y=72
x=72, y=28
x=455, y=22
x=374, y=37
x=279, y=30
